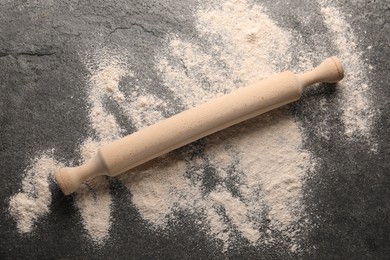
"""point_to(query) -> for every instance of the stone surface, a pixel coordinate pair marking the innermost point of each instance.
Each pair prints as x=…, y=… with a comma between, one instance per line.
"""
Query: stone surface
x=41, y=91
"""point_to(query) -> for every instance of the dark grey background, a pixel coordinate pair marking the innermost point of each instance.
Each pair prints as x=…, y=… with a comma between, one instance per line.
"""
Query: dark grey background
x=42, y=105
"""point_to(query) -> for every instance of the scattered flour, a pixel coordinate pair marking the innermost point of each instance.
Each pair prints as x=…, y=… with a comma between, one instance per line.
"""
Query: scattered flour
x=93, y=198
x=244, y=181
x=33, y=202
x=354, y=102
x=245, y=39
x=266, y=161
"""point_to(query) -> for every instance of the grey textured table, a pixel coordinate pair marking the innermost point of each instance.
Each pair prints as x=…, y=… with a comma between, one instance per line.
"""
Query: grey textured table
x=42, y=90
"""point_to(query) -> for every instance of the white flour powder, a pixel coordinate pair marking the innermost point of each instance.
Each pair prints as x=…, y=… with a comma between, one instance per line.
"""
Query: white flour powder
x=93, y=198
x=256, y=167
x=34, y=199
x=355, y=103
x=267, y=160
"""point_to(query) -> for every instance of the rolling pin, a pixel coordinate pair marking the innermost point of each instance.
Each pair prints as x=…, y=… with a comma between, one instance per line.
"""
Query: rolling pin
x=195, y=123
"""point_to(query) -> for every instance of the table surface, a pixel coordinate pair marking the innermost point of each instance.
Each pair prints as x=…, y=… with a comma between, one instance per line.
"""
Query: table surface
x=42, y=106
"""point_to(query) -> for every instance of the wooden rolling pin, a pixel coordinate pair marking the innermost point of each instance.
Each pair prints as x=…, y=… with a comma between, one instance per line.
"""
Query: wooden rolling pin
x=195, y=123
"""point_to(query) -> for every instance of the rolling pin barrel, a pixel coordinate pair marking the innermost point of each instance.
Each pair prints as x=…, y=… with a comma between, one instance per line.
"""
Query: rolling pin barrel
x=195, y=123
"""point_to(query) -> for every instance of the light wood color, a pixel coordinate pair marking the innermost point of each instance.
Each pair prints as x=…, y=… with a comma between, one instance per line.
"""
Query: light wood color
x=195, y=123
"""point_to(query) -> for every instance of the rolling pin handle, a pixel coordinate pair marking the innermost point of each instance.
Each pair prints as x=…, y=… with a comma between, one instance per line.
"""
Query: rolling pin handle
x=329, y=71
x=70, y=178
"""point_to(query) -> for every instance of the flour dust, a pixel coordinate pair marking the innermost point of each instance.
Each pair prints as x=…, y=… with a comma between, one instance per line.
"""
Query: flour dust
x=33, y=201
x=257, y=167
x=355, y=102
x=267, y=162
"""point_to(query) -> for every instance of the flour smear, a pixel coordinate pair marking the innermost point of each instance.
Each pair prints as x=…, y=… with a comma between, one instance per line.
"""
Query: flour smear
x=33, y=201
x=242, y=184
x=237, y=52
x=358, y=114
